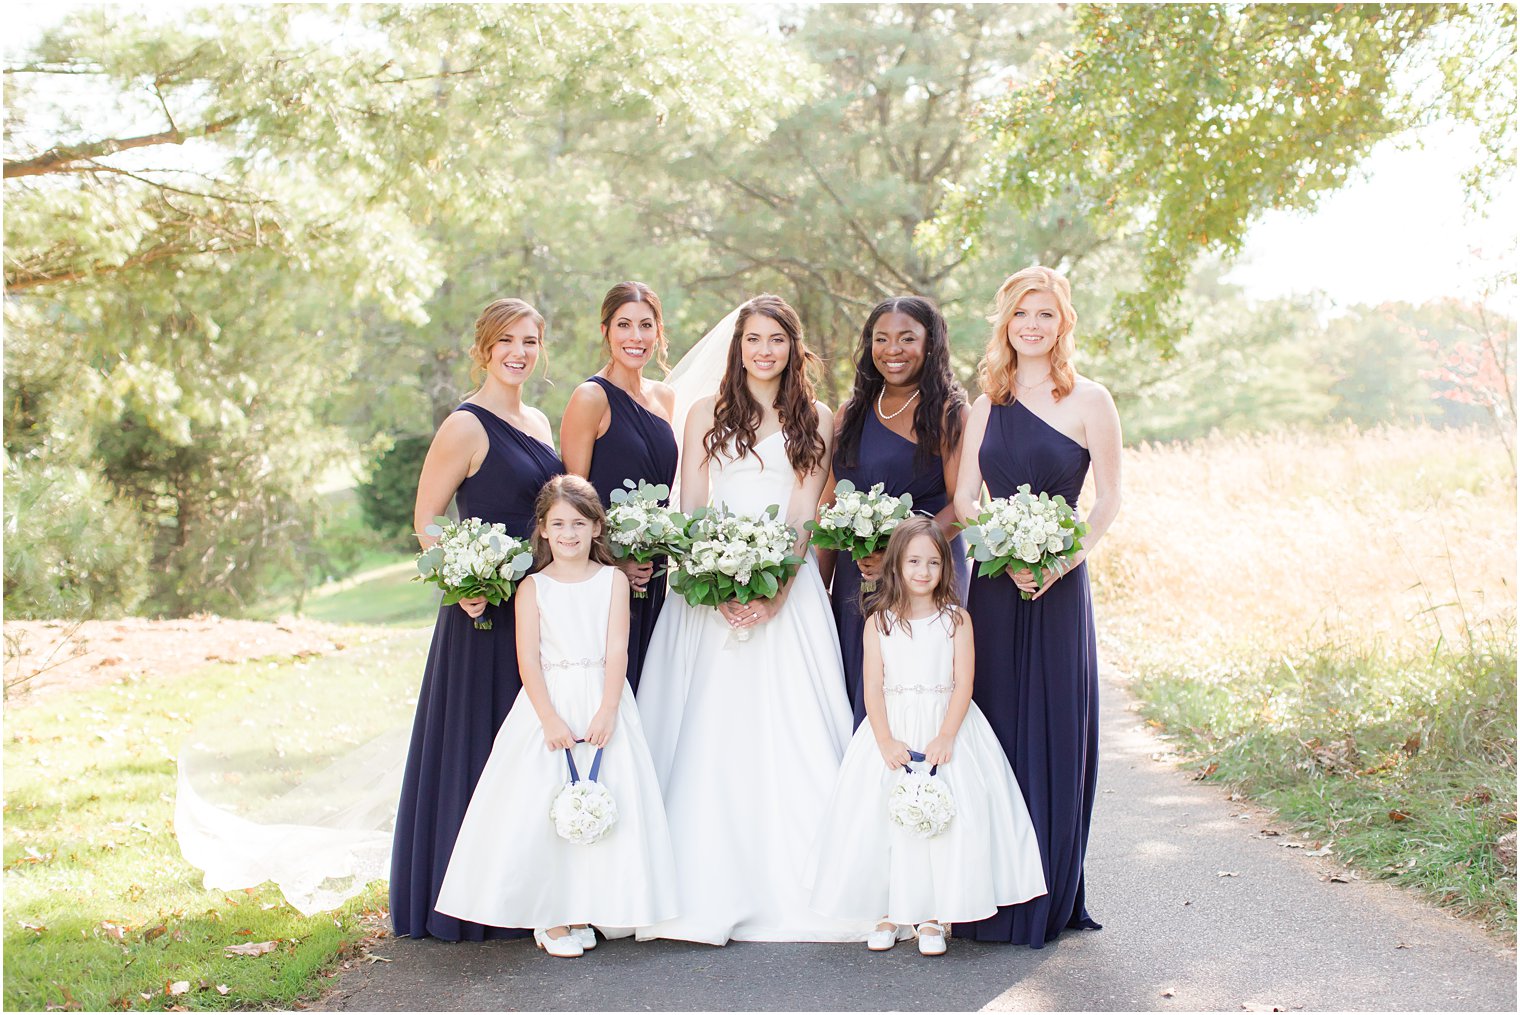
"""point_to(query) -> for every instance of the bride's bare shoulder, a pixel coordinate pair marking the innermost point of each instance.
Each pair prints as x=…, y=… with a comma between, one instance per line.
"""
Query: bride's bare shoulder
x=825, y=417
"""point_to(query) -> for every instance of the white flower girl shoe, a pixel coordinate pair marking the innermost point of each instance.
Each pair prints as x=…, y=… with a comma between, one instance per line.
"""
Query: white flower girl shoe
x=586, y=936
x=880, y=940
x=567, y=947
x=931, y=938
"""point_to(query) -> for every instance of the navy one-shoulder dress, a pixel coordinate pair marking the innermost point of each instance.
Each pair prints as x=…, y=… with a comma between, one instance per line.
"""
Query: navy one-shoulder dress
x=1037, y=683
x=637, y=445
x=888, y=458
x=468, y=687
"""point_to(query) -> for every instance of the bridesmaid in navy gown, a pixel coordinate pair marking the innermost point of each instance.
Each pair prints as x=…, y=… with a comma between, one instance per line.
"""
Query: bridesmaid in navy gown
x=1038, y=422
x=901, y=427
x=492, y=454
x=617, y=427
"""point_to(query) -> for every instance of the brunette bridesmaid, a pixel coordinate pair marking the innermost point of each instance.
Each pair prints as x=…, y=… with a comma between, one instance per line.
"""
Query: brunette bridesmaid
x=901, y=427
x=492, y=454
x=617, y=428
x=1040, y=422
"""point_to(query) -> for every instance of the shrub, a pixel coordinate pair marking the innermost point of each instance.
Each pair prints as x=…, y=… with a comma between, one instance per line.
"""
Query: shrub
x=73, y=546
x=389, y=495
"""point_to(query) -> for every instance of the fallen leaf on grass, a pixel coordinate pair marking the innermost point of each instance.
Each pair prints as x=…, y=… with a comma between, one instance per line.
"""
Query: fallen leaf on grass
x=1398, y=815
x=153, y=932
x=112, y=930
x=177, y=988
x=1204, y=773
x=252, y=948
x=1229, y=874
x=35, y=928
x=223, y=989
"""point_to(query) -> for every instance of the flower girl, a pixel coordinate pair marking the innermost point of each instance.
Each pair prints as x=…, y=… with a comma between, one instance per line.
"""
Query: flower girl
x=875, y=859
x=514, y=864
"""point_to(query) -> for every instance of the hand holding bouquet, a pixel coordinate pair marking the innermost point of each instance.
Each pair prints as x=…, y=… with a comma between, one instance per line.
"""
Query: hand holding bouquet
x=859, y=522
x=472, y=558
x=641, y=528
x=729, y=556
x=1027, y=530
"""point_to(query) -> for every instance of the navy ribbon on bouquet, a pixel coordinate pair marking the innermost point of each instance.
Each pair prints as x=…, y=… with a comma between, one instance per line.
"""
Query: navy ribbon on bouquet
x=596, y=765
x=912, y=756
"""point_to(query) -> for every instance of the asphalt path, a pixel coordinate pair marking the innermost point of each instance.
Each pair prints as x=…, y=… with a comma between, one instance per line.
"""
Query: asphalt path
x=1201, y=912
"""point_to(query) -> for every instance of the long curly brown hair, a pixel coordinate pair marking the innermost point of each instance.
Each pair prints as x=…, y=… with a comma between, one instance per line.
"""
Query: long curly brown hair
x=737, y=415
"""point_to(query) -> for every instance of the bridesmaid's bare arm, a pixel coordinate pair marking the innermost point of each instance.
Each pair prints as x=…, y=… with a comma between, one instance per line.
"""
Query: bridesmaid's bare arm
x=951, y=457
x=586, y=418
x=968, y=478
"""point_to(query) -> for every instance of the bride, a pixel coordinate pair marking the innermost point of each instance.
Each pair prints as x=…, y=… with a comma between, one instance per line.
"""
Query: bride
x=747, y=735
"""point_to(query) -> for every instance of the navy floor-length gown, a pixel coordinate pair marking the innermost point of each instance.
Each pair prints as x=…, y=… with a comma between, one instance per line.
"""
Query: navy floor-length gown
x=637, y=445
x=1037, y=683
x=888, y=458
x=468, y=687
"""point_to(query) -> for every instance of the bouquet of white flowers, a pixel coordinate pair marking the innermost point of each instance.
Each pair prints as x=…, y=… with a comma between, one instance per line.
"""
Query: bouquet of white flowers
x=472, y=558
x=920, y=803
x=1030, y=530
x=859, y=522
x=640, y=528
x=729, y=556
x=584, y=811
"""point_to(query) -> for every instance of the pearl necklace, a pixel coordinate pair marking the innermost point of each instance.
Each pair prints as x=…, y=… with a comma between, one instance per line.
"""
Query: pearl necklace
x=883, y=413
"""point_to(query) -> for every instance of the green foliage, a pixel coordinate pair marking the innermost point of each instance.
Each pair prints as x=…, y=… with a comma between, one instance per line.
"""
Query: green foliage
x=1406, y=762
x=1179, y=125
x=388, y=497
x=72, y=549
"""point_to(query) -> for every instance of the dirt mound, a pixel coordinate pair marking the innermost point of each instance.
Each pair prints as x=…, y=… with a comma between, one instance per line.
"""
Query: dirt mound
x=45, y=656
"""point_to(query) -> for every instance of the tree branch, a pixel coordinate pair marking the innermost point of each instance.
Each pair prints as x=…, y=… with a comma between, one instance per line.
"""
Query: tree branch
x=59, y=157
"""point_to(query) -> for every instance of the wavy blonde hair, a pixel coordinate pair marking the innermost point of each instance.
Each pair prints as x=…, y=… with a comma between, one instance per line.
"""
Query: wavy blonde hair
x=997, y=369
x=496, y=318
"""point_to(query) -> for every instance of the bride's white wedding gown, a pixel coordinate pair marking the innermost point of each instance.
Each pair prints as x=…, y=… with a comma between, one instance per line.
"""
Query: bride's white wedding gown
x=746, y=739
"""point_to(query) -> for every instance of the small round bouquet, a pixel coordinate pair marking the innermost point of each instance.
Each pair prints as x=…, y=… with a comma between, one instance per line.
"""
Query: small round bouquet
x=584, y=811
x=729, y=556
x=472, y=558
x=1030, y=530
x=641, y=528
x=920, y=803
x=859, y=522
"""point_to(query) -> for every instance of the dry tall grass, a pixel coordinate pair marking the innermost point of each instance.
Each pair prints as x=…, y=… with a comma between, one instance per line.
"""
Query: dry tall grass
x=1400, y=537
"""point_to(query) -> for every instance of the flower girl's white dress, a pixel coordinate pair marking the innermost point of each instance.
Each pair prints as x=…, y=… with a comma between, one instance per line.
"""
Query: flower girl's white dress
x=863, y=865
x=509, y=867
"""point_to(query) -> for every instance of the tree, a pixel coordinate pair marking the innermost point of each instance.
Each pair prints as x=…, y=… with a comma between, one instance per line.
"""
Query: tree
x=1181, y=124
x=824, y=209
x=215, y=223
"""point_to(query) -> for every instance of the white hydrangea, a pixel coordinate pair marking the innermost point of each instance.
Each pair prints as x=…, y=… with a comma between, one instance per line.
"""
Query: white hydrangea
x=921, y=804
x=583, y=812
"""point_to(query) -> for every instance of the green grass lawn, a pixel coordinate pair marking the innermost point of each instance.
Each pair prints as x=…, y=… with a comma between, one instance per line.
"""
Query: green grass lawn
x=101, y=911
x=383, y=594
x=1406, y=762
